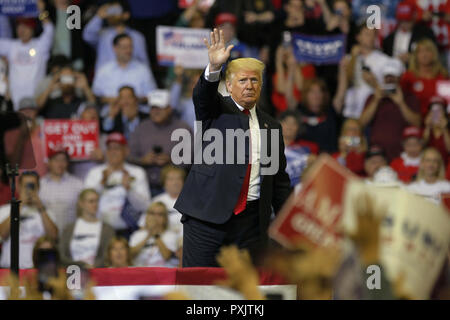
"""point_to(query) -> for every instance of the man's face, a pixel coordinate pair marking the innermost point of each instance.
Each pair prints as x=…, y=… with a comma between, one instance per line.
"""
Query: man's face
x=229, y=31
x=245, y=88
x=124, y=50
x=115, y=154
x=412, y=147
x=28, y=188
x=128, y=103
x=430, y=164
x=174, y=182
x=57, y=165
x=160, y=115
x=406, y=25
x=366, y=38
x=372, y=164
x=24, y=32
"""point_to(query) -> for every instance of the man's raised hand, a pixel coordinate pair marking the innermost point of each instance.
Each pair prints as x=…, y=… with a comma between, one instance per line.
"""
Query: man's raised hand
x=217, y=52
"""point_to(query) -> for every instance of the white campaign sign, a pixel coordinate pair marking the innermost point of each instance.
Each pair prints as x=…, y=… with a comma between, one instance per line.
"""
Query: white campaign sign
x=414, y=235
x=182, y=46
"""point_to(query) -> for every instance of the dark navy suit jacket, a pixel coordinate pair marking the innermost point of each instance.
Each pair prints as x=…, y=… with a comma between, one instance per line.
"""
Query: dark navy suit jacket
x=211, y=191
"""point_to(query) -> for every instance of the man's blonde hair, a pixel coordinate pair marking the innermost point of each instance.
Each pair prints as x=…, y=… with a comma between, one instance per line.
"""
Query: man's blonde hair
x=244, y=64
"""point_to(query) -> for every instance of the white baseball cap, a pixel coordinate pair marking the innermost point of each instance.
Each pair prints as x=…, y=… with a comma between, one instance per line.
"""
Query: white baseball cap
x=159, y=98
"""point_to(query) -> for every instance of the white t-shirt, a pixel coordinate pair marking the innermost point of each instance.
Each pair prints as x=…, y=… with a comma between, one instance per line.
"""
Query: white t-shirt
x=150, y=255
x=85, y=241
x=401, y=42
x=31, y=228
x=431, y=191
x=113, y=198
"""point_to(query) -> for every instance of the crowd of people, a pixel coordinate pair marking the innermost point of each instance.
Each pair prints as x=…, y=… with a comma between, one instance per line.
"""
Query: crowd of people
x=378, y=112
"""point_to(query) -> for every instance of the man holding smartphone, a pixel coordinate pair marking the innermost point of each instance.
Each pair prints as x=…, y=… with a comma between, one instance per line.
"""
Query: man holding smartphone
x=35, y=221
x=388, y=111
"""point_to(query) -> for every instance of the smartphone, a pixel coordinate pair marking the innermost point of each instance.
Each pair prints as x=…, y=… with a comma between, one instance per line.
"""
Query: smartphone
x=287, y=39
x=157, y=149
x=47, y=262
x=435, y=113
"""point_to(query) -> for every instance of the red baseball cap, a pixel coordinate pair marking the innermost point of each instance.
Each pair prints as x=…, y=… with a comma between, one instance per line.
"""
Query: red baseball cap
x=405, y=11
x=116, y=137
x=225, y=17
x=30, y=22
x=58, y=150
x=412, y=131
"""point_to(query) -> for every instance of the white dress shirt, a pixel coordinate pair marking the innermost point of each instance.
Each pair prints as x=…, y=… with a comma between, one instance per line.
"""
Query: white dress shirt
x=255, y=156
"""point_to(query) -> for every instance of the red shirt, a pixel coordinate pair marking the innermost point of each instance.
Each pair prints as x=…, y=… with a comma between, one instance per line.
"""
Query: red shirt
x=279, y=100
x=354, y=161
x=422, y=88
x=439, y=144
x=388, y=123
x=405, y=172
x=5, y=193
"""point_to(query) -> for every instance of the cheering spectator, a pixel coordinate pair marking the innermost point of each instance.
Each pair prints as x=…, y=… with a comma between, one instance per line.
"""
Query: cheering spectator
x=424, y=70
x=288, y=79
x=66, y=106
x=118, y=253
x=407, y=164
x=116, y=13
x=124, y=115
x=408, y=33
x=123, y=187
x=389, y=111
x=340, y=21
x=296, y=151
x=85, y=241
x=352, y=146
x=154, y=245
x=35, y=221
x=151, y=143
x=364, y=62
x=59, y=189
x=430, y=181
x=124, y=70
x=374, y=159
x=27, y=56
x=436, y=132
x=318, y=116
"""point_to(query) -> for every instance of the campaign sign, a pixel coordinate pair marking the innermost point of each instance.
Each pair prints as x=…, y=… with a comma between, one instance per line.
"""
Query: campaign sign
x=412, y=243
x=319, y=50
x=183, y=4
x=19, y=8
x=182, y=46
x=313, y=215
x=79, y=137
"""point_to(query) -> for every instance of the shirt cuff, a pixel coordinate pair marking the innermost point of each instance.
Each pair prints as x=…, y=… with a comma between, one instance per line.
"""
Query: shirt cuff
x=212, y=76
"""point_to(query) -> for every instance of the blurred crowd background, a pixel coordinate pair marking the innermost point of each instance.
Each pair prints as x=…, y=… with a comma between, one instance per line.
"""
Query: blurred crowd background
x=378, y=111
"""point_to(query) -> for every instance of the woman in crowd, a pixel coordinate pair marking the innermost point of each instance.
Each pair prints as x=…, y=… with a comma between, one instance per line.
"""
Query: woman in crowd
x=318, y=116
x=297, y=151
x=352, y=146
x=436, y=133
x=85, y=241
x=430, y=181
x=154, y=245
x=118, y=253
x=424, y=70
x=288, y=79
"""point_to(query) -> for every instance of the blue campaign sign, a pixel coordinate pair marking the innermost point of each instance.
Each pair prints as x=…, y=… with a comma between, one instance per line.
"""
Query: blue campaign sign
x=319, y=49
x=26, y=8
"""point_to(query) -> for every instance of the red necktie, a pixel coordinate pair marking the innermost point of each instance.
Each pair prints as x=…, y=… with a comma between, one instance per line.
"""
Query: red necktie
x=242, y=200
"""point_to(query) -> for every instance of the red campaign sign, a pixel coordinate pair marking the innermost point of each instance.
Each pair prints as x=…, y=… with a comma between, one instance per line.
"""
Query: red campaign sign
x=312, y=215
x=80, y=137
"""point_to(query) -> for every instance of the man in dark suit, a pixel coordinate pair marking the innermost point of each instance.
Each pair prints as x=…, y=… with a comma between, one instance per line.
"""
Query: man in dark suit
x=230, y=202
x=401, y=42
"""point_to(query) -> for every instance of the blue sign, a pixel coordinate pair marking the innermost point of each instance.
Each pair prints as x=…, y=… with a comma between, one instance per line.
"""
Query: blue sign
x=26, y=8
x=319, y=49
